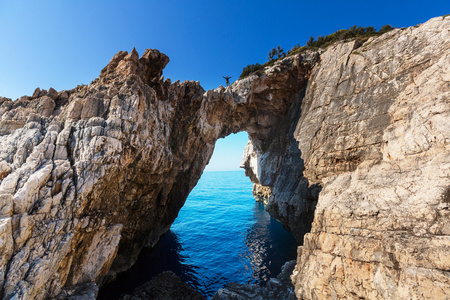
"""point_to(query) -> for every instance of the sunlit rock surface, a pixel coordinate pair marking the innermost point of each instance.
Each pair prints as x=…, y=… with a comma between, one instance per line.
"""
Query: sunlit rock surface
x=90, y=175
x=375, y=131
x=360, y=133
x=373, y=137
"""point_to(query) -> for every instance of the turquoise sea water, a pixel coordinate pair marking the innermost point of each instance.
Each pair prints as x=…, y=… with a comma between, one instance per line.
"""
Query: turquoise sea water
x=221, y=235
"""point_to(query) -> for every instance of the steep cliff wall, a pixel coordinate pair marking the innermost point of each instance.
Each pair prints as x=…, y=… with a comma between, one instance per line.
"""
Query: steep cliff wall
x=88, y=176
x=277, y=175
x=359, y=133
x=373, y=135
x=375, y=131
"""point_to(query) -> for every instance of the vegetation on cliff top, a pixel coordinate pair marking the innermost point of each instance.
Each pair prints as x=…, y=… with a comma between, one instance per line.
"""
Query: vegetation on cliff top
x=354, y=32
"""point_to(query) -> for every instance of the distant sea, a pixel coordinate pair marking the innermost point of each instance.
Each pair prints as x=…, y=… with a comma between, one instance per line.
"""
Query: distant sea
x=221, y=235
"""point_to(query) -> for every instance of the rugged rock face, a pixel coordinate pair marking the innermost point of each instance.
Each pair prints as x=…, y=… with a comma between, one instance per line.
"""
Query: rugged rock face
x=277, y=175
x=90, y=175
x=360, y=133
x=374, y=132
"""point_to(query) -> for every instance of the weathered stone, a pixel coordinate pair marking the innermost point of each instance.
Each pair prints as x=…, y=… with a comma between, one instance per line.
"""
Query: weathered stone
x=95, y=178
x=83, y=291
x=6, y=247
x=43, y=93
x=6, y=205
x=36, y=93
x=63, y=95
x=364, y=134
x=374, y=132
x=373, y=149
x=52, y=93
x=154, y=62
x=5, y=169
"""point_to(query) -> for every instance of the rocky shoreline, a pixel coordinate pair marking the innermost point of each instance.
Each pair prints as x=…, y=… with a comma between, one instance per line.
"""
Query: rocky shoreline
x=349, y=147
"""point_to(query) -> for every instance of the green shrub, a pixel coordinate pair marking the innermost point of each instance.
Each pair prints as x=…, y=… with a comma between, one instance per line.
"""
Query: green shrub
x=354, y=32
x=310, y=42
x=294, y=49
x=272, y=54
x=250, y=69
x=385, y=28
x=276, y=53
x=280, y=52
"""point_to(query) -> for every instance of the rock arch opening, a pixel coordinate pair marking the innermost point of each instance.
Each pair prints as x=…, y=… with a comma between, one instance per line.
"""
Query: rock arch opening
x=90, y=175
x=183, y=123
x=221, y=235
x=103, y=169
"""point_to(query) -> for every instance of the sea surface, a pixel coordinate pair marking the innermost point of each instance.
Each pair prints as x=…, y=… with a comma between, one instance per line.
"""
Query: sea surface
x=221, y=235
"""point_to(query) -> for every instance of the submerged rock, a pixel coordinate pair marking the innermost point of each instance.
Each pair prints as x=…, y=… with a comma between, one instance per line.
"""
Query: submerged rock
x=86, y=291
x=167, y=286
x=88, y=180
x=276, y=288
x=373, y=137
x=353, y=139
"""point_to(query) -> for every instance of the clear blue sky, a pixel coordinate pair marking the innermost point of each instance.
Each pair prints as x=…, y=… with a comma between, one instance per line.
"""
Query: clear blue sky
x=61, y=44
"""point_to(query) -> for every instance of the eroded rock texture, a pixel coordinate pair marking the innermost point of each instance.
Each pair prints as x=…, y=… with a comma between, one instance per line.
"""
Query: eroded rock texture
x=373, y=137
x=90, y=175
x=277, y=174
x=375, y=131
x=360, y=133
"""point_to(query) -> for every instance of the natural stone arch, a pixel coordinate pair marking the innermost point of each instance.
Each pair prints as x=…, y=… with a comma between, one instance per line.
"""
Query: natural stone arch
x=361, y=134
x=104, y=169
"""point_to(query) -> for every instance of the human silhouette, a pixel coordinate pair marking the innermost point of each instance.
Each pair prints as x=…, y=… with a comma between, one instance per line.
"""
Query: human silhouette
x=227, y=78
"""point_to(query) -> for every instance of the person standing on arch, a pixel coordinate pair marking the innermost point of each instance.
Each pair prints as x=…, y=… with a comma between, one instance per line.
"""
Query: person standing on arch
x=227, y=78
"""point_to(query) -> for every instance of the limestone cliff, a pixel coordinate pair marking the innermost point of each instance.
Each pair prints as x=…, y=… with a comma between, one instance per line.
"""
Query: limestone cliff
x=373, y=135
x=377, y=135
x=360, y=133
x=90, y=175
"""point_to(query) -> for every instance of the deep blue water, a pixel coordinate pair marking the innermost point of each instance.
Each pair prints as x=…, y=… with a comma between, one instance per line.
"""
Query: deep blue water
x=221, y=235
